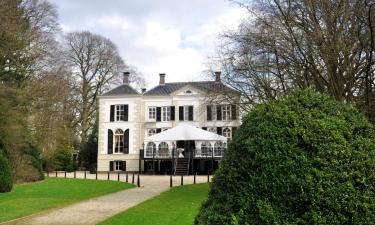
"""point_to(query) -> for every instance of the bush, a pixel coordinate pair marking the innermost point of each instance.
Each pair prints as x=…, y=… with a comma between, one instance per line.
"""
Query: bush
x=6, y=182
x=303, y=159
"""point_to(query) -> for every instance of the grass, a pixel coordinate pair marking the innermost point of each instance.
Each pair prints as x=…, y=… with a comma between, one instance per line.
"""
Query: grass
x=176, y=206
x=26, y=199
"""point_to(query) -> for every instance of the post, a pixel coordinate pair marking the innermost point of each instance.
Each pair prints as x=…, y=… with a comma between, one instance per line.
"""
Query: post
x=108, y=176
x=85, y=174
x=64, y=174
x=170, y=181
x=133, y=179
x=194, y=178
x=96, y=175
x=153, y=161
x=138, y=181
x=75, y=176
x=182, y=180
x=47, y=173
x=118, y=176
x=127, y=177
x=208, y=177
x=56, y=173
x=173, y=161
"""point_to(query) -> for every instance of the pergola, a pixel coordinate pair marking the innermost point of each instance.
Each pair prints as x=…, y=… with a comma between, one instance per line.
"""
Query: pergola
x=161, y=145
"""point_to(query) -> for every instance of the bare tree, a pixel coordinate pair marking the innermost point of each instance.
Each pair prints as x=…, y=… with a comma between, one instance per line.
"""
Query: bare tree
x=95, y=62
x=323, y=44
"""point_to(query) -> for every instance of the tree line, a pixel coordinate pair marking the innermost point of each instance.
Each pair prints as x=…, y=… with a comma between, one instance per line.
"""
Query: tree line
x=49, y=83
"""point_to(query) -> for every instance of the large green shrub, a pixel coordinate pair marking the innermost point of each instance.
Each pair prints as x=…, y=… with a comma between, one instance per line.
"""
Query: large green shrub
x=6, y=182
x=303, y=159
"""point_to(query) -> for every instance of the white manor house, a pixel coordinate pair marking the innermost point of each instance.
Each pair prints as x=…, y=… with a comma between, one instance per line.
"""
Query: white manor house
x=173, y=128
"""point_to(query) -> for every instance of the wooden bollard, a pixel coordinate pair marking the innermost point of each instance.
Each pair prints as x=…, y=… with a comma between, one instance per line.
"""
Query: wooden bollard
x=118, y=176
x=75, y=174
x=85, y=174
x=127, y=180
x=170, y=181
x=108, y=176
x=56, y=173
x=182, y=180
x=194, y=178
x=138, y=181
x=96, y=175
x=133, y=179
x=65, y=174
x=208, y=177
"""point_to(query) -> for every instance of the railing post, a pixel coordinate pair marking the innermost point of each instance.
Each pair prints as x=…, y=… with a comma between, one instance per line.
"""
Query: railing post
x=194, y=178
x=138, y=181
x=182, y=180
x=133, y=179
x=170, y=181
x=118, y=176
x=85, y=174
x=108, y=176
x=96, y=175
x=65, y=174
x=127, y=177
x=75, y=175
x=208, y=177
x=47, y=173
x=56, y=173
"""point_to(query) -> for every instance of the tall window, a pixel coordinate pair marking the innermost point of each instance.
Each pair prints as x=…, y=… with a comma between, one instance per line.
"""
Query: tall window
x=227, y=132
x=120, y=112
x=166, y=113
x=206, y=149
x=163, y=149
x=150, y=149
x=119, y=141
x=226, y=112
x=152, y=113
x=219, y=148
x=151, y=132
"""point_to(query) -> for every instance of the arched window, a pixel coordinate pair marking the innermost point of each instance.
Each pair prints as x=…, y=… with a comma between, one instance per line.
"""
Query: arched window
x=150, y=148
x=227, y=132
x=118, y=141
x=219, y=148
x=151, y=132
x=206, y=149
x=163, y=149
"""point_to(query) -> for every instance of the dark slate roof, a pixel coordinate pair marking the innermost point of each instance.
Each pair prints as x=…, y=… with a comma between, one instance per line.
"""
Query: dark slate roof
x=123, y=89
x=168, y=88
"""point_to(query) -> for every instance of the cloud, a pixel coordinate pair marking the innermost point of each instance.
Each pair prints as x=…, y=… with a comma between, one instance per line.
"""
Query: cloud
x=173, y=37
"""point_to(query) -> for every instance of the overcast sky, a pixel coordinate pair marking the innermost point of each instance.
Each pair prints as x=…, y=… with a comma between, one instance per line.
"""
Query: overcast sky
x=156, y=36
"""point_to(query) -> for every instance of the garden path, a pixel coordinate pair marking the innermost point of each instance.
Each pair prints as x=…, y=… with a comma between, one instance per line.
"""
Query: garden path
x=98, y=209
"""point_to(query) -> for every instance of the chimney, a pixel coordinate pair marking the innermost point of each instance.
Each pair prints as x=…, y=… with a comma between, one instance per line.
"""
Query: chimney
x=125, y=79
x=217, y=76
x=143, y=90
x=162, y=78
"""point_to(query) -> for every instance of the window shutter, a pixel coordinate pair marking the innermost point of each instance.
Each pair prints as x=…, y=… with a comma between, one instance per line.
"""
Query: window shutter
x=123, y=165
x=111, y=166
x=233, y=131
x=181, y=113
x=126, y=113
x=110, y=142
x=172, y=112
x=219, y=130
x=218, y=112
x=209, y=112
x=158, y=113
x=158, y=130
x=234, y=112
x=126, y=142
x=191, y=113
x=204, y=128
x=112, y=114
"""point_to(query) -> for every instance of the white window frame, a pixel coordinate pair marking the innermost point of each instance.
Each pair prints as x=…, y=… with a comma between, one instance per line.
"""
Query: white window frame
x=226, y=112
x=117, y=138
x=118, y=115
x=152, y=113
x=117, y=165
x=166, y=113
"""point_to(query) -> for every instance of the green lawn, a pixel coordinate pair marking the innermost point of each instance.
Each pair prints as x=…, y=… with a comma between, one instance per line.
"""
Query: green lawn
x=177, y=206
x=26, y=199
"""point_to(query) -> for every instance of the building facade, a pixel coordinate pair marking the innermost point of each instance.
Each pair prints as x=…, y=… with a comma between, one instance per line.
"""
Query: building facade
x=127, y=116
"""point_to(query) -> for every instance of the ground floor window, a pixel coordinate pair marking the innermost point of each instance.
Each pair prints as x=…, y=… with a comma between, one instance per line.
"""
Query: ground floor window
x=206, y=149
x=117, y=165
x=150, y=149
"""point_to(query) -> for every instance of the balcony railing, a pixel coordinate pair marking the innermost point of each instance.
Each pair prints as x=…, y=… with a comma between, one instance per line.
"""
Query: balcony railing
x=172, y=153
